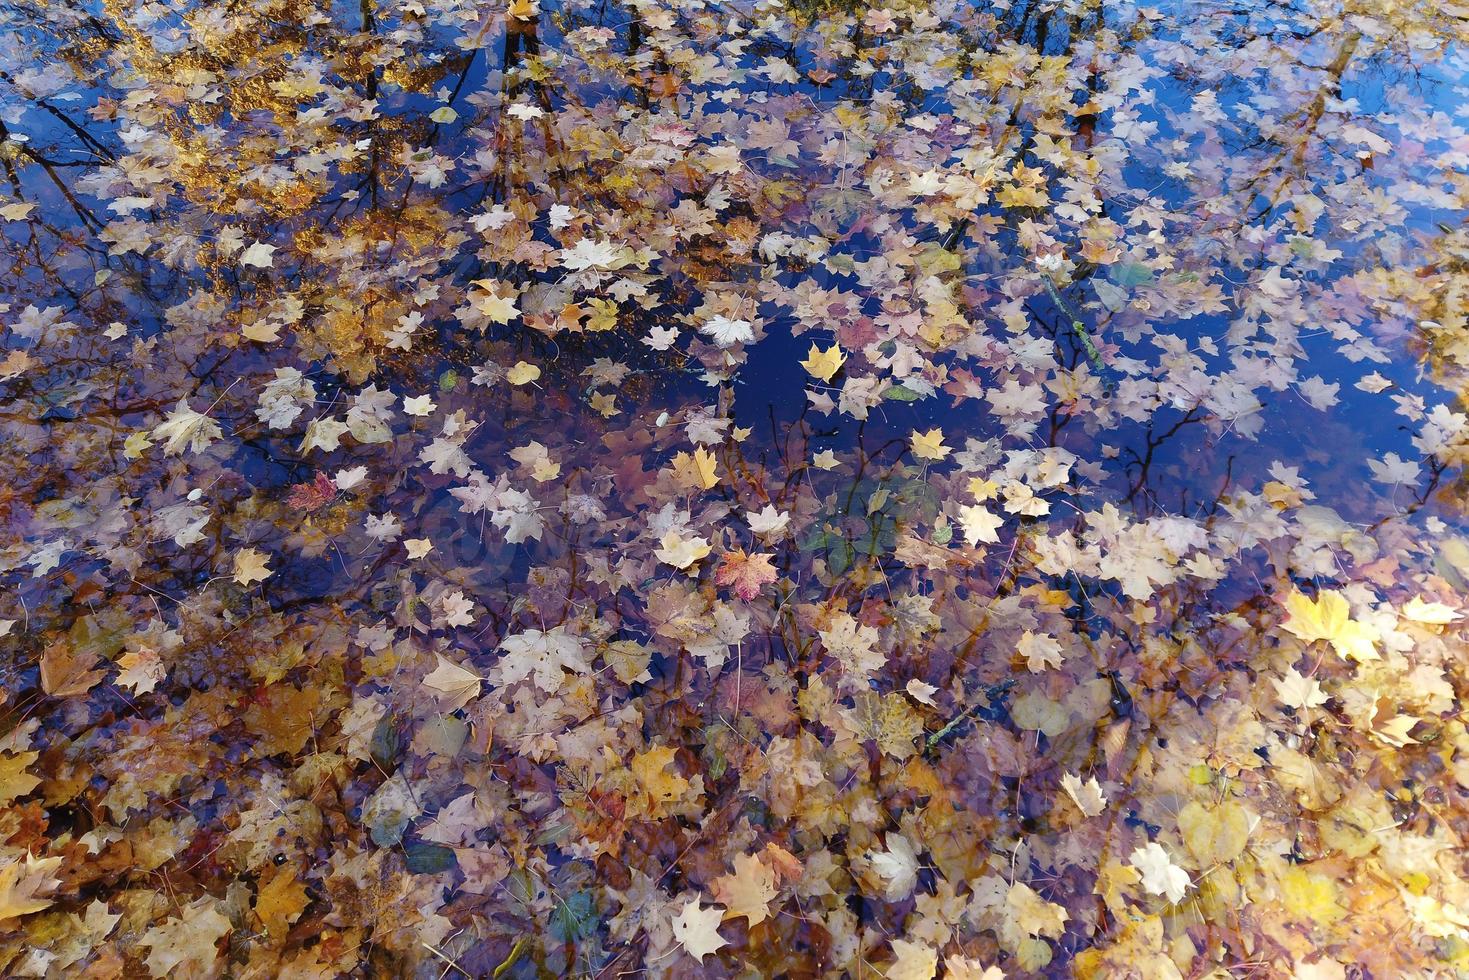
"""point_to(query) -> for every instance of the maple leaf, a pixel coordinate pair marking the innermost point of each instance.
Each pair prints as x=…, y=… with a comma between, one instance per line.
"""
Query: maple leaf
x=185, y=427
x=915, y=961
x=680, y=552
x=537, y=458
x=768, y=521
x=66, y=673
x=497, y=306
x=1429, y=613
x=142, y=670
x=453, y=609
x=1298, y=691
x=960, y=967
x=14, y=780
x=929, y=445
x=853, y=644
x=589, y=254
x=748, y=891
x=1386, y=724
x=663, y=787
x=1040, y=651
x=187, y=943
x=726, y=332
x=543, y=656
x=747, y=573
x=452, y=685
x=250, y=566
x=921, y=692
x=26, y=884
x=696, y=470
x=259, y=254
x=1032, y=915
x=312, y=495
x=324, y=433
x=16, y=362
x=1329, y=618
x=418, y=406
x=1087, y=796
x=697, y=930
x=979, y=523
x=824, y=364
x=1160, y=876
x=281, y=901
x=886, y=719
x=787, y=866
x=897, y=867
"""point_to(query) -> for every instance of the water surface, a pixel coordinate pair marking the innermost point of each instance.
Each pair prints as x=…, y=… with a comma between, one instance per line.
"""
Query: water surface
x=768, y=490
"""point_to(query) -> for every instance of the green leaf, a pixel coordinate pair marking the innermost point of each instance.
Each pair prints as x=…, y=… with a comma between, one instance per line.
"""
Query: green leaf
x=423, y=858
x=386, y=743
x=1130, y=274
x=575, y=918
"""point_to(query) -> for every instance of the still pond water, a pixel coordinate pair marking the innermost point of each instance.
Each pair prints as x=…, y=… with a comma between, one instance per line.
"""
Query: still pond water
x=757, y=489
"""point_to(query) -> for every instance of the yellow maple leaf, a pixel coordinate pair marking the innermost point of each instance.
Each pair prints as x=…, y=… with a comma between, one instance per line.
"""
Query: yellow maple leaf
x=748, y=891
x=696, y=470
x=21, y=885
x=281, y=902
x=186, y=945
x=250, y=566
x=824, y=364
x=142, y=669
x=929, y=445
x=663, y=787
x=1032, y=915
x=497, y=306
x=14, y=780
x=1329, y=618
x=915, y=961
x=982, y=488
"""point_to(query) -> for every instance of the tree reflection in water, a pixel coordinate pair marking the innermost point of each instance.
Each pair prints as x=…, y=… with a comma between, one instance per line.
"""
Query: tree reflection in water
x=763, y=490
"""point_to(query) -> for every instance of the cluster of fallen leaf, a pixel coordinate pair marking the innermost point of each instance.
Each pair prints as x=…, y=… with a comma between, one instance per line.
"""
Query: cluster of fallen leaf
x=418, y=563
